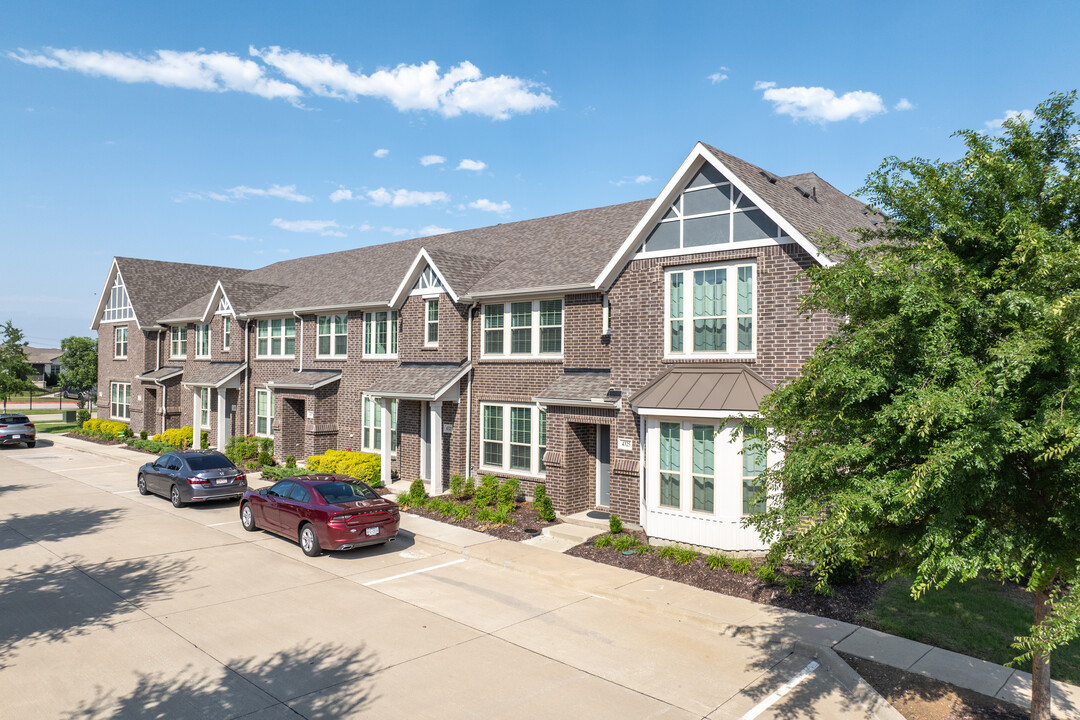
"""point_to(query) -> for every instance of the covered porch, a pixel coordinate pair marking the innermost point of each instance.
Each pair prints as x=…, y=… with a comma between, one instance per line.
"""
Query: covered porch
x=211, y=385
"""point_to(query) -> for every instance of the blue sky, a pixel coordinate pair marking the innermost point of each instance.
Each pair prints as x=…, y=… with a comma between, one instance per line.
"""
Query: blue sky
x=241, y=134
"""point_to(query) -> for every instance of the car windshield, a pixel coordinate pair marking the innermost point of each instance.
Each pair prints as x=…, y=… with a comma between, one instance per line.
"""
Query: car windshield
x=208, y=462
x=339, y=492
x=14, y=419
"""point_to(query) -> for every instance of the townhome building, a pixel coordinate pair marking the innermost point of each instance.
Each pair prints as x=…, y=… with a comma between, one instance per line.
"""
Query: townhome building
x=607, y=353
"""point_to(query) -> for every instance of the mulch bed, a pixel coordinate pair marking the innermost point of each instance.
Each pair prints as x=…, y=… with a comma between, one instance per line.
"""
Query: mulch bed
x=524, y=527
x=95, y=440
x=844, y=604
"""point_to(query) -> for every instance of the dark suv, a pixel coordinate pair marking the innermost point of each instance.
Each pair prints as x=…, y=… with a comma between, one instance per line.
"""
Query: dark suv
x=16, y=428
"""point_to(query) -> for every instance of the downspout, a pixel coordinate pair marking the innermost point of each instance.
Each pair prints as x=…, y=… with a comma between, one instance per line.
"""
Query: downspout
x=247, y=371
x=301, y=321
x=157, y=366
x=468, y=400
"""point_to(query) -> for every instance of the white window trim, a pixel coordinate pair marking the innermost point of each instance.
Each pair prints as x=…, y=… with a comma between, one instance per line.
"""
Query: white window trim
x=688, y=312
x=269, y=339
x=226, y=334
x=269, y=417
x=115, y=393
x=204, y=407
x=376, y=408
x=428, y=323
x=172, y=343
x=534, y=427
x=117, y=343
x=506, y=355
x=332, y=355
x=392, y=321
x=199, y=330
x=122, y=310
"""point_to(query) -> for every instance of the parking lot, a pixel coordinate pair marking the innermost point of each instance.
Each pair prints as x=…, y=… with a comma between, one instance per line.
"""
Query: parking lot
x=118, y=605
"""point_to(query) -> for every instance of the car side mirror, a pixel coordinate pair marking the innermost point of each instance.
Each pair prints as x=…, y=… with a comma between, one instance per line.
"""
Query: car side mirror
x=262, y=491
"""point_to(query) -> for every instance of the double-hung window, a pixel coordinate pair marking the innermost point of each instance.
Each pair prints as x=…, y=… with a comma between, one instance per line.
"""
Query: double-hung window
x=514, y=438
x=753, y=464
x=204, y=405
x=380, y=333
x=431, y=322
x=202, y=341
x=276, y=338
x=333, y=335
x=120, y=405
x=373, y=425
x=121, y=343
x=710, y=311
x=178, y=341
x=535, y=329
x=264, y=412
x=226, y=333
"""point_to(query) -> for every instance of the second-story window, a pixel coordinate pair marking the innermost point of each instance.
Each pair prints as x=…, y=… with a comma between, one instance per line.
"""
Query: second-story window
x=226, y=333
x=431, y=332
x=178, y=341
x=333, y=335
x=202, y=341
x=121, y=343
x=710, y=310
x=536, y=329
x=380, y=333
x=276, y=338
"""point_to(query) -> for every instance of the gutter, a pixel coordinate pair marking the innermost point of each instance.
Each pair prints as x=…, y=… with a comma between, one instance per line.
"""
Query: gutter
x=247, y=373
x=468, y=399
x=549, y=290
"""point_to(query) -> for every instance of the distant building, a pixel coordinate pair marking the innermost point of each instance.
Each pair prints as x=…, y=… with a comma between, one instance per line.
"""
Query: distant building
x=46, y=363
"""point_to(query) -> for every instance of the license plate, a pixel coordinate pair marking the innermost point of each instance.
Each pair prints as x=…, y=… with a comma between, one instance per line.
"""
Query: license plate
x=221, y=481
x=371, y=531
x=16, y=437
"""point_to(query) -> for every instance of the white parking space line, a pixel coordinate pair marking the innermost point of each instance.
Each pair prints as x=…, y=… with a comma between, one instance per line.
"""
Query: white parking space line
x=124, y=492
x=781, y=691
x=414, y=572
x=230, y=522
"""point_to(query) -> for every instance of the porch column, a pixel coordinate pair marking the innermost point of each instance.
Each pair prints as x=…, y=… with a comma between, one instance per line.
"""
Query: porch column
x=384, y=449
x=435, y=433
x=196, y=419
x=222, y=419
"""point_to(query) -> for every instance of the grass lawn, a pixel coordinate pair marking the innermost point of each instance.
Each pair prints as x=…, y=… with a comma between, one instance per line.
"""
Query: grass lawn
x=57, y=427
x=47, y=411
x=978, y=618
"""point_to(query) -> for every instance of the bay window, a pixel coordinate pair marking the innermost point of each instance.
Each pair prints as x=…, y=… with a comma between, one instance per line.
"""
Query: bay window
x=373, y=425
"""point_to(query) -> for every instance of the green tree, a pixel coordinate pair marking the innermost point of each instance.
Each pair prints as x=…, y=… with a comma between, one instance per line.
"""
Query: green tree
x=78, y=364
x=14, y=370
x=937, y=431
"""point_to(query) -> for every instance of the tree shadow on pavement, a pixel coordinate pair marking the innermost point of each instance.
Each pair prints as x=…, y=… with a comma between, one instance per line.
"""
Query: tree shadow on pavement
x=58, y=525
x=51, y=603
x=319, y=682
x=13, y=488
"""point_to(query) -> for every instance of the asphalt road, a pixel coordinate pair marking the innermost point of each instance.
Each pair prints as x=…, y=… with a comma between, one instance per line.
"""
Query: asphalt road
x=118, y=605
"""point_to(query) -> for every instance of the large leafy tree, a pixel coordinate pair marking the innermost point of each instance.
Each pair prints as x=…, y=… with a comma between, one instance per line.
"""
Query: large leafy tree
x=14, y=369
x=79, y=364
x=938, y=431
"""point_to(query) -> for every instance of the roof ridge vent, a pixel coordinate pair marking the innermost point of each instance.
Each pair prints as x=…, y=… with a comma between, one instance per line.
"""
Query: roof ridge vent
x=769, y=176
x=803, y=191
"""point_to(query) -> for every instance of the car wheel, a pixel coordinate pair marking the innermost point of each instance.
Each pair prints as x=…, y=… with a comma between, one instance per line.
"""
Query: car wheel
x=141, y=484
x=309, y=541
x=247, y=517
x=32, y=443
x=174, y=495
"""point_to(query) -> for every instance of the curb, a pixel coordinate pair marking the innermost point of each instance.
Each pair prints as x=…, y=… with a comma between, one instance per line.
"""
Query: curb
x=875, y=704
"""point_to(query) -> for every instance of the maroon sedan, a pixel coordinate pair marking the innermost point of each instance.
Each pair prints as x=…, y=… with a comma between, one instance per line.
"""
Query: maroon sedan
x=331, y=512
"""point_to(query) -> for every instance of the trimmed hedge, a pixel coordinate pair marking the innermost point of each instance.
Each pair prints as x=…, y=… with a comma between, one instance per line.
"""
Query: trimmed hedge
x=106, y=428
x=277, y=473
x=181, y=437
x=152, y=445
x=362, y=466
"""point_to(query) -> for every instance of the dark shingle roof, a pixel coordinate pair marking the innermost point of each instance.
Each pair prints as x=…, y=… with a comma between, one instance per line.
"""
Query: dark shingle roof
x=424, y=381
x=580, y=386
x=830, y=211
x=304, y=379
x=40, y=356
x=213, y=374
x=164, y=373
x=154, y=286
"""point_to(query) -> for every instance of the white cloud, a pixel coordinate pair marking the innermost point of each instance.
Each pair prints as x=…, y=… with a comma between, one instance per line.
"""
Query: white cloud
x=904, y=104
x=244, y=238
x=719, y=77
x=283, y=192
x=395, y=231
x=323, y=227
x=341, y=194
x=467, y=164
x=405, y=198
x=432, y=160
x=639, y=180
x=821, y=105
x=200, y=70
x=998, y=124
x=381, y=153
x=489, y=206
x=463, y=88
x=433, y=230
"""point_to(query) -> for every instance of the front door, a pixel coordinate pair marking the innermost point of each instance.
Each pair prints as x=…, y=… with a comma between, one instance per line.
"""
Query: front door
x=603, y=465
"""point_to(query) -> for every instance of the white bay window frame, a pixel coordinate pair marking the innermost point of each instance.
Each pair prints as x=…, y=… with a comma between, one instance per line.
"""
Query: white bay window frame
x=738, y=275
x=511, y=330
x=371, y=425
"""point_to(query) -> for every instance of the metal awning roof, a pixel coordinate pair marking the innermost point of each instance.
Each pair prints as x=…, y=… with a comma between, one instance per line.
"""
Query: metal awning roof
x=304, y=380
x=213, y=375
x=686, y=389
x=419, y=381
x=581, y=388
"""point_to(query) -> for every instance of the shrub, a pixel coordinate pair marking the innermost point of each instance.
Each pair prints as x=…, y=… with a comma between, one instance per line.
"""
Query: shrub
x=488, y=492
x=457, y=486
x=277, y=473
x=539, y=493
x=82, y=416
x=290, y=461
x=181, y=437
x=266, y=445
x=501, y=517
x=417, y=493
x=846, y=572
x=685, y=556
x=93, y=425
x=667, y=552
x=142, y=434
x=470, y=486
x=505, y=507
x=265, y=459
x=766, y=572
x=614, y=524
x=546, y=510
x=823, y=590
x=740, y=566
x=462, y=512
x=792, y=584
x=603, y=541
x=484, y=515
x=241, y=447
x=625, y=542
x=366, y=467
x=508, y=492
x=717, y=561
